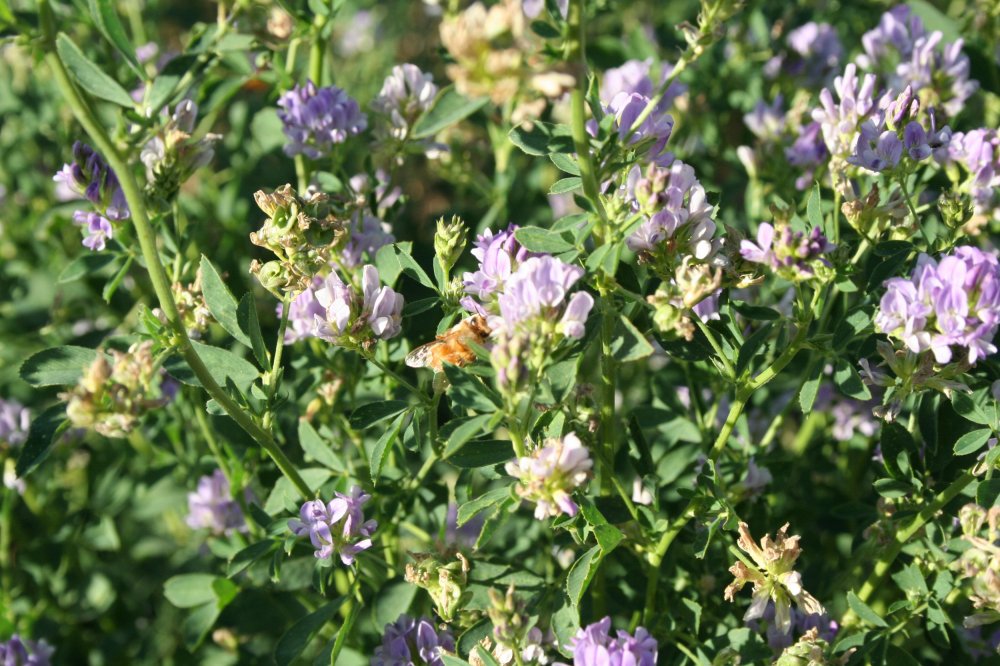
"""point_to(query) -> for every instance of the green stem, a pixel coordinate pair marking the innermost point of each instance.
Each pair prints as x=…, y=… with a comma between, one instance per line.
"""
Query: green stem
x=345, y=630
x=913, y=211
x=890, y=554
x=317, y=51
x=279, y=345
x=715, y=344
x=779, y=363
x=157, y=274
x=6, y=523
x=576, y=46
x=607, y=398
x=656, y=557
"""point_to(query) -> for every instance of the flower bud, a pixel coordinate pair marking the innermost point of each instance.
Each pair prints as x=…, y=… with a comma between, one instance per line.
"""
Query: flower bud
x=449, y=241
x=444, y=581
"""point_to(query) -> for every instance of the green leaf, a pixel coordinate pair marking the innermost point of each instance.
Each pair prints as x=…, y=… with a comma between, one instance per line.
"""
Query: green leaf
x=57, y=366
x=892, y=488
x=968, y=408
x=565, y=163
x=847, y=379
x=368, y=415
x=294, y=641
x=190, y=590
x=535, y=239
x=221, y=302
x=198, y=623
x=988, y=493
x=244, y=558
x=88, y=75
x=449, y=660
x=392, y=601
x=850, y=327
x=246, y=317
x=971, y=442
x=564, y=185
x=863, y=611
x=542, y=138
x=464, y=430
x=814, y=211
x=164, y=90
x=581, y=573
x=383, y=447
x=935, y=20
x=756, y=312
x=106, y=18
x=752, y=345
x=897, y=446
x=810, y=387
x=86, y=264
x=222, y=364
x=41, y=436
x=628, y=344
x=482, y=453
x=467, y=390
x=449, y=108
x=314, y=446
x=911, y=580
x=468, y=511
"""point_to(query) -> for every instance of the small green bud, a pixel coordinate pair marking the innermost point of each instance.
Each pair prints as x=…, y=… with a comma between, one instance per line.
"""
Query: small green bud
x=450, y=241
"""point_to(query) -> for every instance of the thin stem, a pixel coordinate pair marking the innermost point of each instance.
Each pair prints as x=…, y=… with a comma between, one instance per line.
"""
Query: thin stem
x=913, y=211
x=317, y=51
x=157, y=274
x=779, y=363
x=576, y=47
x=6, y=523
x=279, y=345
x=656, y=558
x=607, y=398
x=715, y=344
x=402, y=382
x=902, y=537
x=345, y=630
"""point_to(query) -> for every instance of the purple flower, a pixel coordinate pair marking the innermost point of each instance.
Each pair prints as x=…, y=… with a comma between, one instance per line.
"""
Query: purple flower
x=97, y=229
x=212, y=506
x=816, y=53
x=954, y=302
x=338, y=526
x=89, y=176
x=678, y=210
x=897, y=31
x=634, y=76
x=978, y=152
x=367, y=235
x=876, y=149
x=413, y=642
x=793, y=255
x=808, y=151
x=499, y=255
x=551, y=473
x=943, y=73
x=317, y=118
x=351, y=319
x=594, y=646
x=19, y=651
x=302, y=314
x=406, y=93
x=15, y=421
x=656, y=128
x=839, y=121
x=539, y=289
x=766, y=121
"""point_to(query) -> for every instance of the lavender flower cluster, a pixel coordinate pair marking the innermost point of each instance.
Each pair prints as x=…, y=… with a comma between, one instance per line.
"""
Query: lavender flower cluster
x=18, y=651
x=90, y=177
x=947, y=306
x=316, y=119
x=409, y=641
x=551, y=473
x=212, y=506
x=350, y=318
x=595, y=646
x=793, y=255
x=337, y=526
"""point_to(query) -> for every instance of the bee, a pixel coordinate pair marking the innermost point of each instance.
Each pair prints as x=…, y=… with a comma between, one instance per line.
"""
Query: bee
x=452, y=346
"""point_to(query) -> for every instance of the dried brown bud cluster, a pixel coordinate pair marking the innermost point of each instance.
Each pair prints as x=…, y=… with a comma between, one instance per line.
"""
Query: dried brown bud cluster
x=773, y=577
x=111, y=397
x=303, y=233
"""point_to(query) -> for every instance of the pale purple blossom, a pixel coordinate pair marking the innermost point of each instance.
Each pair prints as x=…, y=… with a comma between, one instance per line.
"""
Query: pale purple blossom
x=876, y=149
x=17, y=651
x=946, y=304
x=816, y=52
x=839, y=121
x=366, y=235
x=302, y=314
x=15, y=421
x=338, y=526
x=593, y=645
x=793, y=255
x=97, y=229
x=315, y=119
x=755, y=480
x=413, y=642
x=406, y=93
x=90, y=177
x=499, y=255
x=978, y=152
x=212, y=506
x=896, y=33
x=350, y=318
x=635, y=76
x=807, y=152
x=551, y=473
x=766, y=121
x=539, y=289
x=656, y=128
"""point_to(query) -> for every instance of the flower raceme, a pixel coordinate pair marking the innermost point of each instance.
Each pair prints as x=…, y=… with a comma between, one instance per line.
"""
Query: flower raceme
x=551, y=473
x=352, y=319
x=315, y=119
x=90, y=177
x=406, y=93
x=499, y=255
x=945, y=306
x=793, y=255
x=413, y=642
x=212, y=506
x=338, y=526
x=594, y=646
x=19, y=651
x=773, y=577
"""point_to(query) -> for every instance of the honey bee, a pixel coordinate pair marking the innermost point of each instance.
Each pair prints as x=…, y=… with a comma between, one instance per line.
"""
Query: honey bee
x=452, y=346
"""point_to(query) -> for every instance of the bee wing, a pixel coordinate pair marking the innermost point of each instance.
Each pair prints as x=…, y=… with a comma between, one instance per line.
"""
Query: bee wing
x=422, y=356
